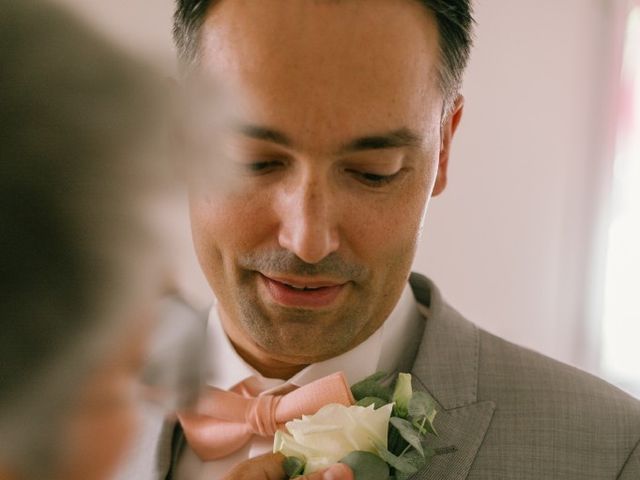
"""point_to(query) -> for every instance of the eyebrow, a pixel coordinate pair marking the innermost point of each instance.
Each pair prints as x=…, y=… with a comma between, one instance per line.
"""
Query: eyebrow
x=402, y=137
x=267, y=134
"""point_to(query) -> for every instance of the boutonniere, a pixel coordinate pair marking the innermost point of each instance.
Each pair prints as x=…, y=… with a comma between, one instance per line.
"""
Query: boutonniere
x=385, y=435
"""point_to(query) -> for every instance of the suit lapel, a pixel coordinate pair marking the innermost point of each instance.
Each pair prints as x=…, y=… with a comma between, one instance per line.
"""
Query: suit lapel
x=446, y=366
x=464, y=428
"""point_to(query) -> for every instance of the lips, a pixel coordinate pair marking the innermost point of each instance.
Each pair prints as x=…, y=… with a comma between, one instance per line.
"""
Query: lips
x=302, y=293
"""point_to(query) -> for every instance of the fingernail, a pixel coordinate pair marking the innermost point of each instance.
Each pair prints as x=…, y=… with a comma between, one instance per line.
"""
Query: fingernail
x=339, y=471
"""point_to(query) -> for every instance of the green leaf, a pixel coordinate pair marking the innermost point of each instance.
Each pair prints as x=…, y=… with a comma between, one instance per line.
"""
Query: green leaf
x=421, y=405
x=415, y=459
x=395, y=443
x=371, y=387
x=366, y=466
x=293, y=466
x=399, y=463
x=408, y=432
x=375, y=401
x=422, y=410
x=402, y=394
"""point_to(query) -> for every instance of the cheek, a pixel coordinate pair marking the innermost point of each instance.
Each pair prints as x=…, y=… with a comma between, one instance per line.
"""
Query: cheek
x=214, y=222
x=224, y=226
x=385, y=228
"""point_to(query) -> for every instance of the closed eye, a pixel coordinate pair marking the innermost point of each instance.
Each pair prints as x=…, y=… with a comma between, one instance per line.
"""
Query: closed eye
x=374, y=179
x=263, y=167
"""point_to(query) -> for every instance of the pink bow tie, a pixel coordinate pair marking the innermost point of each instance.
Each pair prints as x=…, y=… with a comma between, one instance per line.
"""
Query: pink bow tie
x=224, y=421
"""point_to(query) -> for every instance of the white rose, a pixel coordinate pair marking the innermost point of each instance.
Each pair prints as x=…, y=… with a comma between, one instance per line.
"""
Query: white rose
x=333, y=432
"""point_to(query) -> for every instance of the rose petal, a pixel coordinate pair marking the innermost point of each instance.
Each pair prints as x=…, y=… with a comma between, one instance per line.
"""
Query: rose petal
x=333, y=432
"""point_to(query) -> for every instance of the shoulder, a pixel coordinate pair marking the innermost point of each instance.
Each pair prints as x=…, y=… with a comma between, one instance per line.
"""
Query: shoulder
x=543, y=408
x=510, y=372
x=502, y=368
x=565, y=414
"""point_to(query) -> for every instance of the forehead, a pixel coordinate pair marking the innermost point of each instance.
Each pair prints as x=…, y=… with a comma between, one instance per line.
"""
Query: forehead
x=325, y=69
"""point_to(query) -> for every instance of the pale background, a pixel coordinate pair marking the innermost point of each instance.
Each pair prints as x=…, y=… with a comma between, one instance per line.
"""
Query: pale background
x=514, y=243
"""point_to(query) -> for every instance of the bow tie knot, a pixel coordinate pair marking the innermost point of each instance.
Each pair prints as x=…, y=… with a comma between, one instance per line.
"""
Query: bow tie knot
x=261, y=415
x=224, y=421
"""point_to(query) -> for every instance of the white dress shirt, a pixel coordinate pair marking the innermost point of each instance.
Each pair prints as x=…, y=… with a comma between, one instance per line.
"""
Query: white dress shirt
x=382, y=351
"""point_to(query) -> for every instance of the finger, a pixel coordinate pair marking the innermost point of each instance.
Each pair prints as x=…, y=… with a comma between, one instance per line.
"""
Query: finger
x=264, y=467
x=339, y=471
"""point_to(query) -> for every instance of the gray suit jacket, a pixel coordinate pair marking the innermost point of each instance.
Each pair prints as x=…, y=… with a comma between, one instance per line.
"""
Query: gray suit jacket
x=515, y=414
x=511, y=413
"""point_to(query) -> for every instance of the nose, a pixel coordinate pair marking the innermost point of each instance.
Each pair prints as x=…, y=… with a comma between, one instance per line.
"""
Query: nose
x=307, y=220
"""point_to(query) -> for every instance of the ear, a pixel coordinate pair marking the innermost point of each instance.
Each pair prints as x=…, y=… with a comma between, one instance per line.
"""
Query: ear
x=448, y=130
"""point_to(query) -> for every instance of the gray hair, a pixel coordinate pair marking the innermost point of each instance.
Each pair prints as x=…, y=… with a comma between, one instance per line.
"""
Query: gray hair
x=77, y=120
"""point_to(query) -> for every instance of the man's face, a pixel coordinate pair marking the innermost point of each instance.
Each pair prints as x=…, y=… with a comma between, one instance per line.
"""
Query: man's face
x=338, y=147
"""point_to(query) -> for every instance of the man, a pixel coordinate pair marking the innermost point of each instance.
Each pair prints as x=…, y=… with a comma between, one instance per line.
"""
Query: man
x=343, y=135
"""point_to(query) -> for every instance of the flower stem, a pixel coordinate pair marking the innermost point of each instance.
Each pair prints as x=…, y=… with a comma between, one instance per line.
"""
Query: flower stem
x=424, y=420
x=405, y=450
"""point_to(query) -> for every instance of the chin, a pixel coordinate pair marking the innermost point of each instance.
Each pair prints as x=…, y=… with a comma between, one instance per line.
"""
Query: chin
x=300, y=344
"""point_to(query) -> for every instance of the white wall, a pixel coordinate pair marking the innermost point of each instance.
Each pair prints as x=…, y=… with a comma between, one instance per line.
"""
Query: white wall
x=141, y=26
x=509, y=241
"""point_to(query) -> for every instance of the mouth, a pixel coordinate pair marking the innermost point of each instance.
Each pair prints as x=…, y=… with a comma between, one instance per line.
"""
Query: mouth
x=303, y=292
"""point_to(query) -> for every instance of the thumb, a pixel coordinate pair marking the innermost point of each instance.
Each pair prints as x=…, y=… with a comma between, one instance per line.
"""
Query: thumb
x=264, y=467
x=339, y=471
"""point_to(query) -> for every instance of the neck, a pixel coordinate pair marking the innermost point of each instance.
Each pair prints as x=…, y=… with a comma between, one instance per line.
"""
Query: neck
x=264, y=362
x=266, y=365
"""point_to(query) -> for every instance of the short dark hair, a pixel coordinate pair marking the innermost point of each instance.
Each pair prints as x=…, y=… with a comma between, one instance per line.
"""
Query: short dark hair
x=455, y=26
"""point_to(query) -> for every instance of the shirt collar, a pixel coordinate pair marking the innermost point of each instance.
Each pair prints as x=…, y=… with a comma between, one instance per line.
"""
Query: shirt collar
x=382, y=351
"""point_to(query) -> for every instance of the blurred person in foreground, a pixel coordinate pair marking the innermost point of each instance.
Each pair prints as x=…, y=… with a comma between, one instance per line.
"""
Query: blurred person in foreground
x=344, y=135
x=81, y=150
x=84, y=161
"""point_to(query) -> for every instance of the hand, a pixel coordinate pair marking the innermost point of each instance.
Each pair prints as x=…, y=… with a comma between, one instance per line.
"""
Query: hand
x=269, y=467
